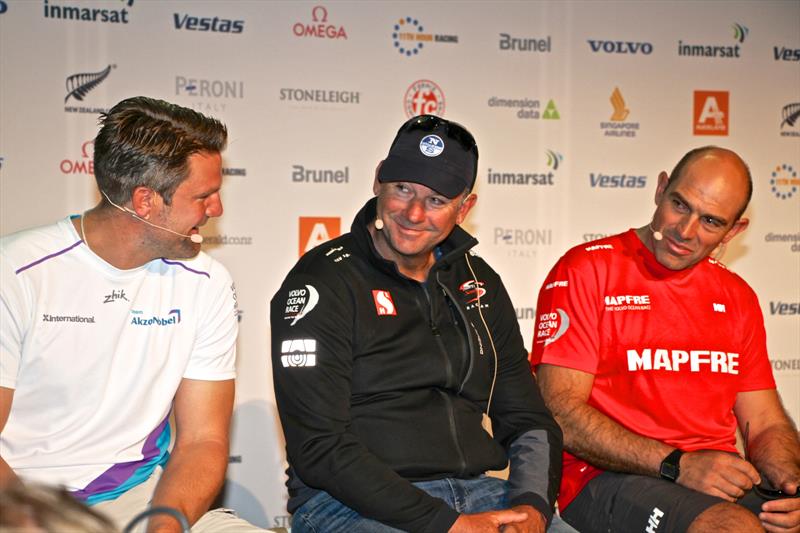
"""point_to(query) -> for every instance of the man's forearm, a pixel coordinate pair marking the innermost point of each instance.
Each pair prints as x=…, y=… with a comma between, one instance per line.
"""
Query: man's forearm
x=191, y=480
x=775, y=452
x=594, y=437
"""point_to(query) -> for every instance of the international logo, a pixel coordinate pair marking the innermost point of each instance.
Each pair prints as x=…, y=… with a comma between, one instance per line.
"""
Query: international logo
x=319, y=98
x=551, y=112
x=792, y=240
x=208, y=95
x=717, y=362
x=790, y=114
x=140, y=319
x=113, y=13
x=301, y=174
x=319, y=26
x=711, y=115
x=423, y=97
x=80, y=85
x=431, y=145
x=314, y=231
x=524, y=44
x=384, y=305
x=725, y=51
x=784, y=181
x=114, y=296
x=84, y=165
x=410, y=38
x=522, y=243
x=299, y=303
x=68, y=318
x=551, y=326
x=617, y=181
x=617, y=126
x=781, y=53
x=298, y=353
x=620, y=47
x=188, y=22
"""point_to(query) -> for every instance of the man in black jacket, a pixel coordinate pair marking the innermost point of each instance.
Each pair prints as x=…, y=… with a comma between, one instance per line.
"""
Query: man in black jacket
x=390, y=345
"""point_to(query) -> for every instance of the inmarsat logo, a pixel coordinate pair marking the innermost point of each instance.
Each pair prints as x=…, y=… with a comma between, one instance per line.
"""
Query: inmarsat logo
x=711, y=116
x=423, y=97
x=79, y=85
x=85, y=165
x=554, y=159
x=319, y=27
x=724, y=51
x=53, y=10
x=299, y=352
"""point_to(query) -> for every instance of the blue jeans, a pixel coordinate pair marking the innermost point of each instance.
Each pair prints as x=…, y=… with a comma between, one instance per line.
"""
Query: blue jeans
x=323, y=514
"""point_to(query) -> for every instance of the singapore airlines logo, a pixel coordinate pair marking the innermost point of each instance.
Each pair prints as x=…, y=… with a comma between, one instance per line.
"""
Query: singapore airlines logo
x=620, y=111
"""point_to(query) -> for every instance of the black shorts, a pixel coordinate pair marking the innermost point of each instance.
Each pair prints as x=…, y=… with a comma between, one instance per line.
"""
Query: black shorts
x=614, y=502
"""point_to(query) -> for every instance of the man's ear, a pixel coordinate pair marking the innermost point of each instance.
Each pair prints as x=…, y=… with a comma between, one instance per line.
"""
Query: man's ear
x=663, y=181
x=376, y=185
x=466, y=205
x=144, y=200
x=738, y=227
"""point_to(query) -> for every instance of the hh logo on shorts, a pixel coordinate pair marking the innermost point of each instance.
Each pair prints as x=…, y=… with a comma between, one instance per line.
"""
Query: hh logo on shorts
x=384, y=304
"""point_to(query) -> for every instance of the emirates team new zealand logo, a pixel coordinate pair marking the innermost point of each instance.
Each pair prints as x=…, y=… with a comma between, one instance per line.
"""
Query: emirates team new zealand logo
x=79, y=85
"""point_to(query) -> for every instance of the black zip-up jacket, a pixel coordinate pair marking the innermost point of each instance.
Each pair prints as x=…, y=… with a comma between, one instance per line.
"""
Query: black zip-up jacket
x=381, y=380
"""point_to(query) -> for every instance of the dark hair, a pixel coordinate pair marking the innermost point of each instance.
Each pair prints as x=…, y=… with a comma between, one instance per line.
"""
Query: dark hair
x=147, y=142
x=691, y=155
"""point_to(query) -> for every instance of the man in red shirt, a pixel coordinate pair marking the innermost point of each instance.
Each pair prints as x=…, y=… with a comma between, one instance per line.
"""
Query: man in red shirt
x=649, y=353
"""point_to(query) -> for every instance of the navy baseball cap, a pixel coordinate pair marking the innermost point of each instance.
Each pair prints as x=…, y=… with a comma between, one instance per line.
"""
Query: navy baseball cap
x=434, y=152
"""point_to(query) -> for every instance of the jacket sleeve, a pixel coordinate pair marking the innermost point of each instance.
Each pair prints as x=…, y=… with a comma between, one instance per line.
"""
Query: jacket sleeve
x=312, y=350
x=521, y=422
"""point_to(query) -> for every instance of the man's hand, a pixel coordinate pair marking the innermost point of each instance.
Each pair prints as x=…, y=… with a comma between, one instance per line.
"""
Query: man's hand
x=781, y=516
x=488, y=522
x=535, y=523
x=720, y=474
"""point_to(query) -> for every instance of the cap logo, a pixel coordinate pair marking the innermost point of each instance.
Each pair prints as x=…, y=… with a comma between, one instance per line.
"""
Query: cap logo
x=431, y=145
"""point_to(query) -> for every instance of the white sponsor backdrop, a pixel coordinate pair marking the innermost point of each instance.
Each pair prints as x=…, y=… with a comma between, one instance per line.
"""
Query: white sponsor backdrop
x=323, y=87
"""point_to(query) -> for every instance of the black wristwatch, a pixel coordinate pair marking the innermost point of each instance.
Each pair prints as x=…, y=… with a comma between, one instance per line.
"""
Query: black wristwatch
x=671, y=466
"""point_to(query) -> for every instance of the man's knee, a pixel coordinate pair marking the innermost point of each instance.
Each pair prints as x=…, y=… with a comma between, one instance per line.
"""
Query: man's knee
x=725, y=516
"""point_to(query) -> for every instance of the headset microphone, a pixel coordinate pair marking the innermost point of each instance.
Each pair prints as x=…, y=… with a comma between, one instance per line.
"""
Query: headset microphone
x=194, y=237
x=378, y=224
x=657, y=235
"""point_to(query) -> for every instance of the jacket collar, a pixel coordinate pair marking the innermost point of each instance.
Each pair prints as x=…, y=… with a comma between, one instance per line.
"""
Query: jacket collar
x=451, y=249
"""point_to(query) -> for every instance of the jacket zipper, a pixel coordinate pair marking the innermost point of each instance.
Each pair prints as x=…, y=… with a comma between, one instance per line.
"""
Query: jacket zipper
x=467, y=332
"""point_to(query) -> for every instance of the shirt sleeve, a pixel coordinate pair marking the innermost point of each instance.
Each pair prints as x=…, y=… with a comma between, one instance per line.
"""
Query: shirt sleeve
x=521, y=422
x=312, y=351
x=214, y=353
x=756, y=372
x=567, y=317
x=13, y=315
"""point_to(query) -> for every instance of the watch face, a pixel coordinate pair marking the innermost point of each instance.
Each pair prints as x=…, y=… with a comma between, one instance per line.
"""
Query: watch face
x=669, y=471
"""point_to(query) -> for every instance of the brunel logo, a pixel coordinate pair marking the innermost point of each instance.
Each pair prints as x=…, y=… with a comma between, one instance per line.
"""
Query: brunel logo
x=205, y=24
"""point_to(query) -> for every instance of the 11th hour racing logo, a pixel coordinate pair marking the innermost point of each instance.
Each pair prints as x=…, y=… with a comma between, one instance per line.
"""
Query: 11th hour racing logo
x=80, y=85
x=727, y=51
x=410, y=38
x=784, y=182
x=140, y=319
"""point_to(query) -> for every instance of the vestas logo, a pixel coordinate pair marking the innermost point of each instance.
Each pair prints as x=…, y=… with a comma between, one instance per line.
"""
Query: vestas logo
x=620, y=47
x=172, y=318
x=617, y=181
x=207, y=24
x=781, y=53
x=80, y=166
x=320, y=27
x=79, y=85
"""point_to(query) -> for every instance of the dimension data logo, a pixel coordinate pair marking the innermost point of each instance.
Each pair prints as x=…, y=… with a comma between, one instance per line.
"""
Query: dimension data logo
x=739, y=33
x=423, y=97
x=524, y=44
x=526, y=107
x=409, y=37
x=790, y=120
x=711, y=116
x=118, y=14
x=319, y=26
x=78, y=87
x=207, y=24
x=617, y=125
x=784, y=182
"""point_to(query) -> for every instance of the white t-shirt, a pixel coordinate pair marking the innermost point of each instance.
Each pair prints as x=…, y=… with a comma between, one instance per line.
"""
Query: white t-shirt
x=95, y=355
